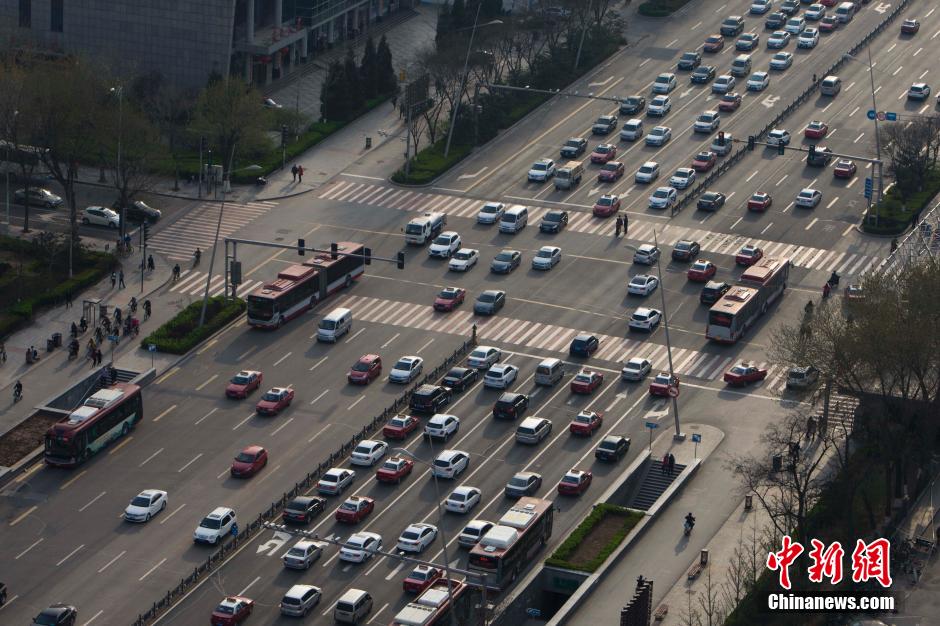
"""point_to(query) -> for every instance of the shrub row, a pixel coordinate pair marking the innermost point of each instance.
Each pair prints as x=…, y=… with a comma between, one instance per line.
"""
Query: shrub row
x=430, y=163
x=661, y=8
x=182, y=333
x=896, y=212
x=561, y=555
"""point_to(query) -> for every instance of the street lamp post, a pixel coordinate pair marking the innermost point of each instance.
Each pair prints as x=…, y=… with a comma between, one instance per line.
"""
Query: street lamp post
x=874, y=106
x=679, y=435
x=10, y=136
x=119, y=91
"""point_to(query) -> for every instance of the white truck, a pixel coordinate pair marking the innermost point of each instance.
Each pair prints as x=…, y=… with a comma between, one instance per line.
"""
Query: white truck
x=422, y=229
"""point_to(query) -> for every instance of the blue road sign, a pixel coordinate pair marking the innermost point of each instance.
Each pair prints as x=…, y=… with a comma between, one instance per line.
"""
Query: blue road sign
x=151, y=347
x=533, y=612
x=868, y=187
x=697, y=438
x=871, y=114
x=112, y=337
x=652, y=425
x=891, y=116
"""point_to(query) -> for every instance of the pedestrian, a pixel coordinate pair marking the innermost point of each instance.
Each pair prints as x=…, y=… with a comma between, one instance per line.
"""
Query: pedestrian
x=811, y=428
x=664, y=465
x=626, y=223
x=814, y=79
x=401, y=111
x=300, y=173
x=618, y=226
x=68, y=298
x=293, y=172
x=113, y=280
x=150, y=264
x=176, y=272
x=672, y=463
x=121, y=280
x=394, y=101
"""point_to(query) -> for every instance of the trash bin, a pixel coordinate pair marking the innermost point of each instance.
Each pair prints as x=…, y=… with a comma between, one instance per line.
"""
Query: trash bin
x=50, y=344
x=368, y=142
x=57, y=339
x=777, y=462
x=703, y=557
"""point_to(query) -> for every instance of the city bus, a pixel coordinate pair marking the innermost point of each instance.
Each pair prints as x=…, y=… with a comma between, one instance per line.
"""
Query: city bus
x=297, y=288
x=105, y=416
x=759, y=286
x=509, y=546
x=435, y=605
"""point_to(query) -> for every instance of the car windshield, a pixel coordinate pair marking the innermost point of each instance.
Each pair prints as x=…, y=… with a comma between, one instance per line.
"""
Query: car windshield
x=330, y=478
x=605, y=201
x=608, y=445
x=241, y=380
x=410, y=535
x=504, y=256
x=662, y=79
x=518, y=481
x=403, y=365
x=227, y=609
x=757, y=196
x=211, y=522
x=571, y=480
x=140, y=501
x=295, y=551
x=646, y=169
x=443, y=240
x=490, y=208
x=349, y=506
x=662, y=379
x=545, y=254
x=419, y=575
x=244, y=457
x=700, y=266
x=361, y=366
x=271, y=396
x=610, y=167
x=689, y=56
x=658, y=131
x=447, y=294
x=539, y=166
x=486, y=297
x=602, y=149
x=710, y=197
x=660, y=193
x=683, y=245
x=296, y=505
x=463, y=256
x=458, y=497
x=455, y=373
x=739, y=369
x=390, y=465
x=582, y=419
x=363, y=449
x=554, y=216
x=583, y=378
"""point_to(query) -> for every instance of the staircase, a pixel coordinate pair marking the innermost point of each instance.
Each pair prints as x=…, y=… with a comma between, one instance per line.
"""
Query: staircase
x=654, y=484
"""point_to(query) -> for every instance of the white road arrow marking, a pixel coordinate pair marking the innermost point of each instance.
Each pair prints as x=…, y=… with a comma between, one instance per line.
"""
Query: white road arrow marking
x=602, y=83
x=274, y=544
x=656, y=415
x=474, y=175
x=770, y=101
x=883, y=7
x=685, y=93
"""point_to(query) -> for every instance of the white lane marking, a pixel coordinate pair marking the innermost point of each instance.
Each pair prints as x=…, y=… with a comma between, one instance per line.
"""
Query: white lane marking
x=916, y=52
x=164, y=414
x=244, y=354
x=248, y=586
x=93, y=617
x=281, y=427
x=648, y=60
x=225, y=472
x=696, y=26
x=151, y=570
x=848, y=230
x=736, y=222
x=854, y=111
x=386, y=344
x=766, y=228
x=831, y=202
x=379, y=612
x=35, y=543
x=93, y=500
x=475, y=174
x=924, y=74
x=359, y=332
x=421, y=349
x=753, y=174
x=235, y=427
x=111, y=562
x=150, y=458
x=859, y=137
x=322, y=393
x=810, y=225
x=893, y=46
x=672, y=43
x=319, y=432
x=781, y=180
x=69, y=555
x=175, y=511
x=318, y=363
x=281, y=360
x=196, y=458
x=205, y=384
x=350, y=407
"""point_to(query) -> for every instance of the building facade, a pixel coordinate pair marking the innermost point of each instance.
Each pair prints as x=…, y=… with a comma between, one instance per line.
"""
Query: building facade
x=190, y=40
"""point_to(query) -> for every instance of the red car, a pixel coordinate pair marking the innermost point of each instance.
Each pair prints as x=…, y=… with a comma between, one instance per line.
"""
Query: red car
x=366, y=369
x=355, y=509
x=606, y=205
x=243, y=383
x=249, y=461
x=828, y=3
x=232, y=610
x=603, y=153
x=714, y=43
x=394, y=469
x=586, y=422
x=845, y=168
x=662, y=383
x=273, y=401
x=400, y=426
x=910, y=27
x=704, y=161
x=816, y=130
x=759, y=201
x=730, y=101
x=586, y=381
x=828, y=24
x=611, y=172
x=744, y=373
x=575, y=482
x=748, y=255
x=701, y=271
x=421, y=578
x=449, y=298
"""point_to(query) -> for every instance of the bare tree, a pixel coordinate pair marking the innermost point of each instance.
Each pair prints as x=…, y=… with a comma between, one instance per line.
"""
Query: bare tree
x=17, y=121
x=170, y=110
x=710, y=600
x=911, y=150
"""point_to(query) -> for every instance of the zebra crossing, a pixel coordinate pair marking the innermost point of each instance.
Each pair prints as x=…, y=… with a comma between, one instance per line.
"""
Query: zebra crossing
x=193, y=283
x=196, y=229
x=845, y=263
x=537, y=335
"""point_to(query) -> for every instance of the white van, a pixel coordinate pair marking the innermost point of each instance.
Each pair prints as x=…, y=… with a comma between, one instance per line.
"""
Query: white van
x=352, y=606
x=741, y=66
x=632, y=130
x=569, y=175
x=514, y=220
x=830, y=85
x=422, y=229
x=549, y=372
x=334, y=325
x=845, y=12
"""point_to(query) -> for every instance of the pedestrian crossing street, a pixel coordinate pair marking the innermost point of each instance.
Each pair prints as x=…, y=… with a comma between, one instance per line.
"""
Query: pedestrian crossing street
x=193, y=283
x=540, y=336
x=845, y=263
x=196, y=229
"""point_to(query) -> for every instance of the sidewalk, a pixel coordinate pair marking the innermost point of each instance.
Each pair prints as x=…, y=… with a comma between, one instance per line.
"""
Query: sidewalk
x=920, y=603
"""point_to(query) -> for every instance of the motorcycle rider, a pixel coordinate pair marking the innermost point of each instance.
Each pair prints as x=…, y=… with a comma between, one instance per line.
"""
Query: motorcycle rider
x=689, y=523
x=17, y=391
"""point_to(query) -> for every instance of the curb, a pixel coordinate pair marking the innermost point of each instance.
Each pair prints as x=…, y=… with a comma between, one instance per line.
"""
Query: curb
x=166, y=194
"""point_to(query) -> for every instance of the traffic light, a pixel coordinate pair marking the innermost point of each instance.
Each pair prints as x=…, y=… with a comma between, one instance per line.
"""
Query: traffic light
x=812, y=153
x=781, y=149
x=284, y=134
x=367, y=255
x=146, y=229
x=203, y=144
x=334, y=248
x=401, y=260
x=750, y=142
x=300, y=246
x=721, y=137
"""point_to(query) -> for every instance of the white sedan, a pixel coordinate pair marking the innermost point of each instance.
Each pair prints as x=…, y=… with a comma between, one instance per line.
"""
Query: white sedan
x=778, y=137
x=778, y=39
x=658, y=136
x=491, y=212
x=406, y=370
x=445, y=244
x=683, y=177
x=100, y=216
x=483, y=357
x=636, y=369
x=642, y=285
x=417, y=537
x=781, y=61
x=368, y=452
x=546, y=258
x=500, y=375
x=758, y=81
x=808, y=38
x=360, y=547
x=463, y=260
x=663, y=198
x=723, y=84
x=645, y=319
x=808, y=198
x=463, y=499
x=145, y=505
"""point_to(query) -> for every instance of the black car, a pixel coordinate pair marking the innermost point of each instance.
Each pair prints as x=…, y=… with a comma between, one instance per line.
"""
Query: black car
x=686, y=250
x=303, y=509
x=689, y=61
x=819, y=157
x=711, y=201
x=553, y=221
x=459, y=378
x=510, y=405
x=775, y=21
x=57, y=615
x=139, y=212
x=631, y=105
x=574, y=147
x=429, y=399
x=732, y=26
x=523, y=484
x=703, y=74
x=612, y=448
x=713, y=291
x=790, y=7
x=583, y=345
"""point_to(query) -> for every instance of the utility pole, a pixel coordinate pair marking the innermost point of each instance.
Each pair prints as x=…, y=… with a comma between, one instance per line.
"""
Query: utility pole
x=679, y=435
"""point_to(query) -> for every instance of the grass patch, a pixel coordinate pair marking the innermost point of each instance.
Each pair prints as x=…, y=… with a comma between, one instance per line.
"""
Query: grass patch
x=431, y=163
x=589, y=545
x=661, y=8
x=895, y=212
x=182, y=333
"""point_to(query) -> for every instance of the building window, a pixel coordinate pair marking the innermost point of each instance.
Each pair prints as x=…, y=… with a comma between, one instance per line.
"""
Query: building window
x=56, y=17
x=26, y=13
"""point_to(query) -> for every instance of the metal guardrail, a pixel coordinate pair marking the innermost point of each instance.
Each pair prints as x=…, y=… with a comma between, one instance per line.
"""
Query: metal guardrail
x=215, y=560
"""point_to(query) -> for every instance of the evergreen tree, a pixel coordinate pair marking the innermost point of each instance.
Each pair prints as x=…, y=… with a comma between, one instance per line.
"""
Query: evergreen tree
x=385, y=79
x=491, y=8
x=369, y=70
x=333, y=99
x=352, y=85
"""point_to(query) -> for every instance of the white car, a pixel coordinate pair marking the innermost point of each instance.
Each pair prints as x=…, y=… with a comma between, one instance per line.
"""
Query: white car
x=815, y=12
x=546, y=258
x=645, y=319
x=462, y=499
x=683, y=177
x=441, y=426
x=918, y=91
x=778, y=39
x=215, y=526
x=795, y=25
x=707, y=122
x=646, y=254
x=406, y=370
x=483, y=357
x=808, y=38
x=777, y=137
x=759, y=7
x=360, y=547
x=663, y=198
x=758, y=81
x=722, y=148
x=463, y=260
x=368, y=452
x=723, y=84
x=100, y=216
x=491, y=212
x=808, y=198
x=647, y=173
x=445, y=244
x=542, y=170
x=145, y=505
x=781, y=61
x=335, y=481
x=642, y=285
x=303, y=554
x=300, y=600
x=473, y=532
x=450, y=464
x=500, y=376
x=636, y=369
x=665, y=83
x=417, y=537
x=659, y=106
x=658, y=136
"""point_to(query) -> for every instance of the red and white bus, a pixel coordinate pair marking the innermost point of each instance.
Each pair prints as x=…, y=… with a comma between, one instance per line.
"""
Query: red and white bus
x=105, y=416
x=737, y=310
x=437, y=605
x=299, y=287
x=508, y=546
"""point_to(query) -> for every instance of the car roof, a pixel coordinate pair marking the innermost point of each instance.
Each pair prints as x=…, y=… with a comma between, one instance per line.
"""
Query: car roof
x=220, y=511
x=449, y=454
x=464, y=489
x=532, y=422
x=298, y=591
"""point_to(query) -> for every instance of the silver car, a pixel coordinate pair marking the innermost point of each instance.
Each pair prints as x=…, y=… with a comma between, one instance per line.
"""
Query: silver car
x=489, y=302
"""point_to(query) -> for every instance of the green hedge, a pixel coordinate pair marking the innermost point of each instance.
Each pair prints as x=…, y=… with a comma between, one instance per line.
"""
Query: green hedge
x=431, y=163
x=895, y=213
x=561, y=555
x=182, y=333
x=661, y=8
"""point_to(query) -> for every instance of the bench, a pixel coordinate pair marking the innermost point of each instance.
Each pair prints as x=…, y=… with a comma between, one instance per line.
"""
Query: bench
x=695, y=570
x=660, y=613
